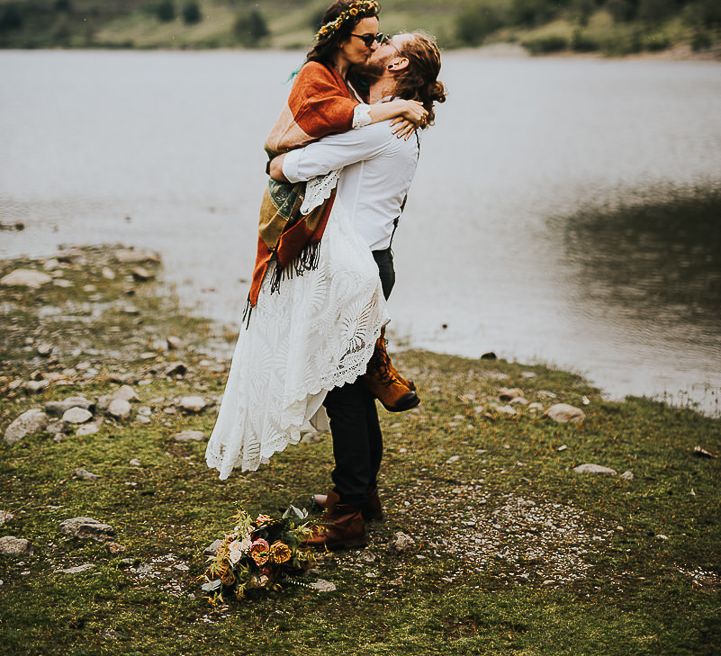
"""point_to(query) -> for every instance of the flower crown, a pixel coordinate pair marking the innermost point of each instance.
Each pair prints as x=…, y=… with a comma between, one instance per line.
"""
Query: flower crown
x=361, y=8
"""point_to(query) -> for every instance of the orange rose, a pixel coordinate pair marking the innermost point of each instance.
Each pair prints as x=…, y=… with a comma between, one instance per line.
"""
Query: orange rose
x=279, y=552
x=259, y=551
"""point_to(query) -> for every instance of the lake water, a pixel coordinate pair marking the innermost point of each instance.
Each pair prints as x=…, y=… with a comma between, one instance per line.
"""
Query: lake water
x=164, y=150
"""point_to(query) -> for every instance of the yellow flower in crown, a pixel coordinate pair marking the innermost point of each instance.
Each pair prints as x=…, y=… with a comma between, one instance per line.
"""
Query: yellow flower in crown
x=279, y=552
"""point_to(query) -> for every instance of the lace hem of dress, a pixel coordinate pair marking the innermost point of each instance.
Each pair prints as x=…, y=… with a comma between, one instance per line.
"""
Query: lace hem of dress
x=318, y=190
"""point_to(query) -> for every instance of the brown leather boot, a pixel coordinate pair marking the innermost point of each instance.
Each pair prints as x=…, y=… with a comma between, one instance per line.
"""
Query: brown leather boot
x=372, y=510
x=342, y=528
x=386, y=384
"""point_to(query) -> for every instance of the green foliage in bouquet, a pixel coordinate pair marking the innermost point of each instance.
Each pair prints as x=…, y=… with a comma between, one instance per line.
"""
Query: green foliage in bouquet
x=260, y=554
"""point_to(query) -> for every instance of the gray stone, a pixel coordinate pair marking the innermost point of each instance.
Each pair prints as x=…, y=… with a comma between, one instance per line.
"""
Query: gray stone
x=190, y=436
x=56, y=427
x=59, y=408
x=77, y=416
x=535, y=406
x=63, y=283
x=627, y=475
x=563, y=413
x=545, y=394
x=508, y=393
x=453, y=459
x=119, y=408
x=126, y=393
x=590, y=468
x=212, y=548
x=108, y=273
x=321, y=585
x=134, y=462
x=174, y=343
x=12, y=546
x=77, y=569
x=192, y=403
x=25, y=278
x=87, y=527
x=401, y=542
x=36, y=386
x=44, y=349
x=85, y=475
x=29, y=422
x=505, y=410
x=135, y=256
x=141, y=274
x=90, y=428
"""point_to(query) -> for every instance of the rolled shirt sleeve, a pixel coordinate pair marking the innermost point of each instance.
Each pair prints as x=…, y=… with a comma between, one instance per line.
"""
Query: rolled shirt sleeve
x=337, y=151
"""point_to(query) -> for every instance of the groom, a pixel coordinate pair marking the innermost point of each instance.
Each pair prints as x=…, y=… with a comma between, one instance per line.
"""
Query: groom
x=377, y=173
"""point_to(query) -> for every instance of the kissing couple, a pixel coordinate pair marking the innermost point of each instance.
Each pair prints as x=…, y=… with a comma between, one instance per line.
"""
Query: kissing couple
x=311, y=353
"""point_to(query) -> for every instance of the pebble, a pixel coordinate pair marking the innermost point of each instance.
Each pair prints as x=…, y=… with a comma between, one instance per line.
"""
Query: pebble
x=12, y=546
x=508, y=393
x=192, y=403
x=25, y=278
x=126, y=393
x=58, y=408
x=563, y=447
x=87, y=527
x=29, y=422
x=508, y=410
x=88, y=429
x=36, y=386
x=134, y=462
x=563, y=413
x=84, y=474
x=77, y=569
x=321, y=585
x=63, y=283
x=44, y=349
x=174, y=343
x=119, y=408
x=453, y=459
x=141, y=274
x=190, y=436
x=590, y=468
x=77, y=416
x=627, y=475
x=401, y=542
x=135, y=256
x=107, y=273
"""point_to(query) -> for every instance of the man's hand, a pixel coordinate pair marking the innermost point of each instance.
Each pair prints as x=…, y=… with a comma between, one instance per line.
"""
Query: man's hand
x=276, y=169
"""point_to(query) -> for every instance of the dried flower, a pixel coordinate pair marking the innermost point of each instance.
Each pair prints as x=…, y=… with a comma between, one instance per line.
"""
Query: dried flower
x=279, y=552
x=259, y=551
x=263, y=519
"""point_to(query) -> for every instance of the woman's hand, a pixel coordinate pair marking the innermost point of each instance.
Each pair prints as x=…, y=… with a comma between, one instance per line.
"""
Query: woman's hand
x=276, y=169
x=413, y=116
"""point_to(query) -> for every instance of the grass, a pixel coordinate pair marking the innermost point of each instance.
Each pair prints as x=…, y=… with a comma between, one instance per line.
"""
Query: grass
x=514, y=554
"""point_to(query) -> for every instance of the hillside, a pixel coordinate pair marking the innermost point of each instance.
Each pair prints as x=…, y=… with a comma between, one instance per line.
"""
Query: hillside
x=613, y=27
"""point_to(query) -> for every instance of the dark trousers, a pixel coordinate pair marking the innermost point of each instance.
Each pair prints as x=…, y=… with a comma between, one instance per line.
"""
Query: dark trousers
x=357, y=437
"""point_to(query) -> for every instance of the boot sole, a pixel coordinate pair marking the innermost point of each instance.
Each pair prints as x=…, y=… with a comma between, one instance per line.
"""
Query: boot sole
x=408, y=405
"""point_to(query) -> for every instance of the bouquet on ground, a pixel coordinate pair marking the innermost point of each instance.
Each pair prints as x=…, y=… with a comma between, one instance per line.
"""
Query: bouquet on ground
x=260, y=554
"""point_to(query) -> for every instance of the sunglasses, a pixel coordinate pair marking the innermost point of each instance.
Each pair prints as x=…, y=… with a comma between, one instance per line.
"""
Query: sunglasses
x=369, y=39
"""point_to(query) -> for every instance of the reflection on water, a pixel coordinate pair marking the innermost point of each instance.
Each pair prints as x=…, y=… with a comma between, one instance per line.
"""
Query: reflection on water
x=173, y=140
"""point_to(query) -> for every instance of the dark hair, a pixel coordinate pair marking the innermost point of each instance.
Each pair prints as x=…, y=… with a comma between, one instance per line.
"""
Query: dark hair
x=327, y=44
x=419, y=81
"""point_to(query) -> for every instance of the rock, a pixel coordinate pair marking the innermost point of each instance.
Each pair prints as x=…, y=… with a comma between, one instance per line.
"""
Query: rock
x=88, y=429
x=87, y=527
x=85, y=475
x=36, y=386
x=563, y=447
x=89, y=288
x=107, y=273
x=401, y=542
x=142, y=419
x=176, y=369
x=77, y=416
x=71, y=255
x=44, y=349
x=589, y=468
x=119, y=408
x=321, y=585
x=29, y=422
x=59, y=408
x=518, y=400
x=5, y=516
x=135, y=256
x=25, y=278
x=141, y=274
x=190, y=436
x=174, y=343
x=63, y=283
x=563, y=413
x=12, y=546
x=627, y=475
x=661, y=536
x=134, y=462
x=703, y=453
x=528, y=374
x=508, y=393
x=489, y=356
x=56, y=427
x=453, y=459
x=77, y=569
x=192, y=403
x=115, y=548
x=505, y=410
x=545, y=394
x=212, y=548
x=535, y=406
x=125, y=393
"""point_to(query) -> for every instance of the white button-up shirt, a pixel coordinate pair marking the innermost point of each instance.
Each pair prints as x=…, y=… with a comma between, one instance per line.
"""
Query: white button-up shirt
x=378, y=169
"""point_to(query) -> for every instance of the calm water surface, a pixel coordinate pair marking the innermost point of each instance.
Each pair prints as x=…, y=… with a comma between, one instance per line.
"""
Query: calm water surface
x=164, y=150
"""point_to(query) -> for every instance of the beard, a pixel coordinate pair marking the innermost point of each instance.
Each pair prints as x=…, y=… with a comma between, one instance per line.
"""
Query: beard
x=372, y=71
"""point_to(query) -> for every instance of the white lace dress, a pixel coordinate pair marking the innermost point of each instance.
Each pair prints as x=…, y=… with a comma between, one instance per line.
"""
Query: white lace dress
x=316, y=333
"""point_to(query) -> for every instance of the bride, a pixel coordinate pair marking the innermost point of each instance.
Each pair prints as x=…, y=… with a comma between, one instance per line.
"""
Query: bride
x=315, y=313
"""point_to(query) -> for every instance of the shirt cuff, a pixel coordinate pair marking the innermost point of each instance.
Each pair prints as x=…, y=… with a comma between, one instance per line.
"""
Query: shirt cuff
x=361, y=116
x=291, y=162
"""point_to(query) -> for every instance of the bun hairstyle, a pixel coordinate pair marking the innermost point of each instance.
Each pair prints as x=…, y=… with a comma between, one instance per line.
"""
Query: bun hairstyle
x=337, y=24
x=419, y=81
